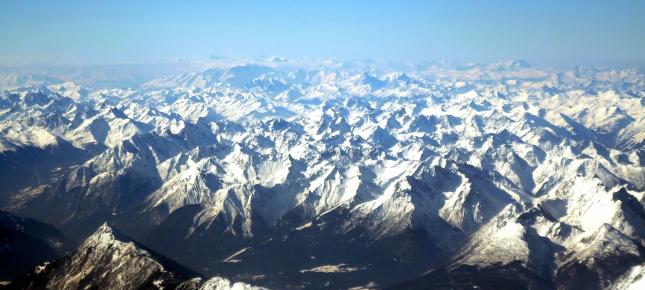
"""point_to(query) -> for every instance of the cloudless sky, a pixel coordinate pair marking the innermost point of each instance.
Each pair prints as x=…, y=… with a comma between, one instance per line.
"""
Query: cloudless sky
x=550, y=32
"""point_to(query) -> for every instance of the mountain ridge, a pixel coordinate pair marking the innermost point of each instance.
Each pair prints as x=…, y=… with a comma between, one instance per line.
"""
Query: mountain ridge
x=345, y=175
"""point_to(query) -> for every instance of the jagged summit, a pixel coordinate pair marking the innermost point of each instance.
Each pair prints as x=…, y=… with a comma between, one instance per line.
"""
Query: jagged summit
x=110, y=260
x=341, y=174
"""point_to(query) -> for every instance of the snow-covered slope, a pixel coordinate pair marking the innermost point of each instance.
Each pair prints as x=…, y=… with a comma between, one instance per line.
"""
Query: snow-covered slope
x=475, y=169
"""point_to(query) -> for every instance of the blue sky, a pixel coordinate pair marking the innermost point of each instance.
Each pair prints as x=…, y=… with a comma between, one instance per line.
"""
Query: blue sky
x=550, y=32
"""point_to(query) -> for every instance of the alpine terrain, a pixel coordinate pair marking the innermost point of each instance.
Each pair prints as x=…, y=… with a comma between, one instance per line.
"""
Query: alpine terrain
x=296, y=173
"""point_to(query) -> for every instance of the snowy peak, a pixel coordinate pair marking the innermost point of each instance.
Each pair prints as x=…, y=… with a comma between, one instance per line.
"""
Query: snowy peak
x=490, y=168
x=105, y=237
x=606, y=240
x=601, y=258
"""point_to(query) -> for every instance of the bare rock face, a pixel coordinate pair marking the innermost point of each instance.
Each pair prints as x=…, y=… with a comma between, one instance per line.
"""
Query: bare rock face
x=109, y=260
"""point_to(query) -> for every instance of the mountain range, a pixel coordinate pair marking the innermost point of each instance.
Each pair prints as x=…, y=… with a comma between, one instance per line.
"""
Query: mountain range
x=286, y=175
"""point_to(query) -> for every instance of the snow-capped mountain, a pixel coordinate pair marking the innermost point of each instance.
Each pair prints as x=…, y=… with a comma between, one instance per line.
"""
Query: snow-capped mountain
x=287, y=174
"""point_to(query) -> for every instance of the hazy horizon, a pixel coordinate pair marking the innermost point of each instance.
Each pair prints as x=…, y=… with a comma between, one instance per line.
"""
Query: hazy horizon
x=545, y=33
